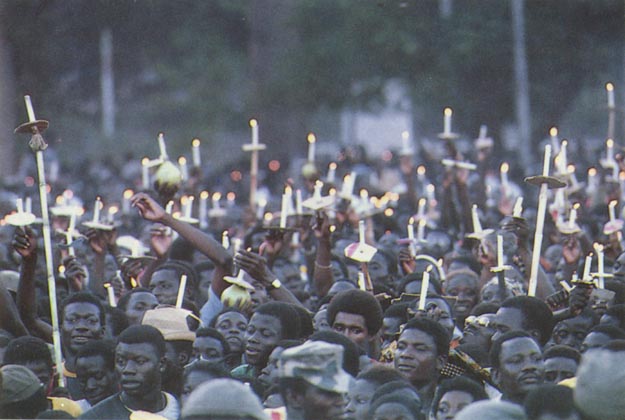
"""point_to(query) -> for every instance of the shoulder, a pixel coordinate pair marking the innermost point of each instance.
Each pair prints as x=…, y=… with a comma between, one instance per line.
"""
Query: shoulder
x=109, y=408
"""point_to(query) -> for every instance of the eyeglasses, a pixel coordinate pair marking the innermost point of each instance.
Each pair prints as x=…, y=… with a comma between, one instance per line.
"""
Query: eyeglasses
x=479, y=321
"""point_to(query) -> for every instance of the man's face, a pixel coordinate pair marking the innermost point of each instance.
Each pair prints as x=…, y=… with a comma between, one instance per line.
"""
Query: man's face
x=464, y=288
x=353, y=327
x=359, y=399
x=441, y=313
x=491, y=294
x=320, y=321
x=138, y=303
x=263, y=333
x=258, y=296
x=416, y=358
x=81, y=324
x=559, y=368
x=232, y=325
x=96, y=380
x=594, y=340
x=269, y=374
x=478, y=330
x=520, y=367
x=507, y=319
x=192, y=381
x=41, y=370
x=164, y=285
x=571, y=332
x=138, y=368
x=209, y=349
x=390, y=329
x=318, y=403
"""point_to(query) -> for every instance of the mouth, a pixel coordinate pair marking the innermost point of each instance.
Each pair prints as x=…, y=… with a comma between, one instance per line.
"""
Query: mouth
x=80, y=339
x=404, y=367
x=251, y=351
x=530, y=380
x=130, y=385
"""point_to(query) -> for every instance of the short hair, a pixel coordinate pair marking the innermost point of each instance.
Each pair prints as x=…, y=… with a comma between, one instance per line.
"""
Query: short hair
x=102, y=348
x=495, y=349
x=84, y=297
x=213, y=333
x=390, y=387
x=380, y=375
x=25, y=349
x=226, y=310
x=458, y=383
x=119, y=320
x=562, y=351
x=123, y=301
x=351, y=351
x=612, y=331
x=418, y=276
x=398, y=310
x=412, y=405
x=305, y=321
x=360, y=303
x=181, y=267
x=551, y=399
x=139, y=334
x=536, y=314
x=435, y=330
x=284, y=312
x=484, y=308
x=218, y=370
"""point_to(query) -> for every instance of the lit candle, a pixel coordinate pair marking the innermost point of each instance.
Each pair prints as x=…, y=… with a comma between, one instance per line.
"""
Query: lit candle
x=181, y=289
x=161, y=146
x=203, y=209
x=547, y=160
x=231, y=197
x=69, y=235
x=182, y=162
x=411, y=236
x=96, y=210
x=19, y=205
x=112, y=211
x=421, y=173
x=503, y=170
x=126, y=201
x=332, y=172
x=311, y=147
x=145, y=174
x=447, y=121
x=553, y=133
x=600, y=265
x=610, y=150
x=587, y=265
x=611, y=207
x=225, y=240
x=425, y=284
x=573, y=215
x=283, y=211
x=260, y=211
x=592, y=179
x=111, y=295
x=421, y=230
x=562, y=157
x=169, y=207
x=609, y=87
x=518, y=208
x=405, y=142
x=572, y=176
x=28, y=206
x=254, y=125
x=362, y=285
x=500, y=261
x=421, y=209
x=215, y=199
x=189, y=208
x=298, y=202
x=195, y=149
x=361, y=231
x=317, y=190
x=430, y=191
x=348, y=185
x=477, y=226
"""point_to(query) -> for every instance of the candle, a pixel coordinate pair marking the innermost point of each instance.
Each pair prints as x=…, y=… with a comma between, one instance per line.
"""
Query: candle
x=298, y=202
x=587, y=265
x=189, y=208
x=161, y=146
x=96, y=210
x=145, y=174
x=283, y=211
x=421, y=230
x=500, y=261
x=254, y=125
x=215, y=199
x=225, y=240
x=592, y=179
x=547, y=160
x=195, y=150
x=477, y=227
x=447, y=121
x=425, y=284
x=405, y=142
x=600, y=265
x=421, y=173
x=19, y=205
x=311, y=147
x=169, y=207
x=203, y=209
x=181, y=289
x=126, y=201
x=573, y=215
x=572, y=176
x=182, y=162
x=111, y=295
x=518, y=208
x=553, y=133
x=236, y=245
x=430, y=191
x=260, y=210
x=28, y=206
x=231, y=197
x=561, y=158
x=411, y=236
x=29, y=108
x=503, y=170
x=69, y=235
x=611, y=210
x=332, y=172
x=112, y=211
x=317, y=190
x=610, y=150
x=362, y=285
x=361, y=231
x=609, y=87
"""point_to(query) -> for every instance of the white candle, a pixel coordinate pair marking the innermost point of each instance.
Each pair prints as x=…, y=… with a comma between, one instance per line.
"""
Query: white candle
x=600, y=265
x=96, y=210
x=203, y=209
x=195, y=150
x=254, y=125
x=405, y=141
x=311, y=147
x=425, y=284
x=411, y=236
x=447, y=121
x=181, y=289
x=611, y=210
x=225, y=240
x=430, y=192
x=348, y=185
x=231, y=198
x=215, y=199
x=421, y=173
x=28, y=206
x=609, y=143
x=145, y=174
x=587, y=265
x=126, y=201
x=188, y=206
x=19, y=205
x=161, y=146
x=283, y=211
x=500, y=261
x=29, y=108
x=332, y=172
x=421, y=230
x=563, y=157
x=111, y=295
x=361, y=231
x=503, y=170
x=518, y=208
x=553, y=133
x=298, y=202
x=169, y=207
x=592, y=178
x=547, y=160
x=421, y=208
x=182, y=162
x=317, y=190
x=573, y=216
x=609, y=87
x=362, y=285
x=477, y=227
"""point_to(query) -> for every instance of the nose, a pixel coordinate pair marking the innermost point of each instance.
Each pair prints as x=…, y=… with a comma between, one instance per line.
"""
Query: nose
x=91, y=383
x=349, y=408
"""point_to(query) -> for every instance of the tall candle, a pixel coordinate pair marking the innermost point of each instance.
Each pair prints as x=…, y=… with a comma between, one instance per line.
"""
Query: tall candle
x=254, y=125
x=126, y=201
x=225, y=240
x=111, y=295
x=29, y=108
x=430, y=192
x=600, y=265
x=405, y=141
x=421, y=230
x=611, y=207
x=573, y=215
x=161, y=146
x=503, y=170
x=96, y=210
x=362, y=285
x=181, y=289
x=19, y=205
x=361, y=231
x=518, y=208
x=587, y=265
x=477, y=227
x=184, y=171
x=421, y=173
x=283, y=211
x=298, y=202
x=215, y=199
x=332, y=172
x=609, y=87
x=195, y=150
x=425, y=284
x=411, y=236
x=203, y=211
x=547, y=160
x=500, y=261
x=447, y=121
x=592, y=178
x=145, y=174
x=28, y=206
x=553, y=133
x=609, y=150
x=421, y=208
x=231, y=198
x=311, y=147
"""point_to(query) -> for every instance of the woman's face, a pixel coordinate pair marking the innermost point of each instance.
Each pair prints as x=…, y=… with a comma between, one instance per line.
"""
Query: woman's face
x=451, y=403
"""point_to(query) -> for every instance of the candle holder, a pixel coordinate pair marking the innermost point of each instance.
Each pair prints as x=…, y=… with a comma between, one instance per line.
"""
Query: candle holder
x=483, y=141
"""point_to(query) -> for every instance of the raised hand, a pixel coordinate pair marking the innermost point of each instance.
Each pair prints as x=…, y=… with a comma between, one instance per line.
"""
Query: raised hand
x=254, y=265
x=100, y=240
x=25, y=242
x=148, y=208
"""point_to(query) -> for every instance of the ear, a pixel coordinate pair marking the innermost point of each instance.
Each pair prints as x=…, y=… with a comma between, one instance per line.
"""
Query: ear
x=183, y=358
x=494, y=374
x=162, y=363
x=441, y=361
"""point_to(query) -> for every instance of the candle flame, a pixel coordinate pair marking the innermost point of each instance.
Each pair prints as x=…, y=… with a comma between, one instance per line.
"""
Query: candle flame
x=565, y=143
x=576, y=206
x=621, y=176
x=609, y=143
x=592, y=171
x=98, y=203
x=253, y=123
x=161, y=135
x=364, y=193
x=571, y=168
x=411, y=221
x=145, y=161
x=448, y=112
x=422, y=222
x=332, y=191
x=422, y=202
x=333, y=165
x=195, y=143
x=332, y=228
x=113, y=210
x=184, y=200
x=504, y=167
x=405, y=135
x=231, y=196
x=613, y=203
x=311, y=138
x=204, y=195
x=553, y=132
x=389, y=212
x=217, y=196
x=421, y=170
x=182, y=160
x=609, y=87
x=60, y=199
x=431, y=188
x=61, y=269
x=128, y=194
x=288, y=190
x=268, y=217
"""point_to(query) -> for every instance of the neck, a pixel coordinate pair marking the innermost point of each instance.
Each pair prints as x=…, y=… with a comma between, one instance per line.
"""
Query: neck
x=152, y=401
x=516, y=399
x=426, y=392
x=69, y=360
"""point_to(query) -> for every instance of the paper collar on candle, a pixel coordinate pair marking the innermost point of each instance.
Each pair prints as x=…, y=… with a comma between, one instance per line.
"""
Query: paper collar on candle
x=566, y=228
x=190, y=220
x=483, y=141
x=552, y=182
x=613, y=226
x=459, y=164
x=318, y=203
x=21, y=219
x=99, y=225
x=65, y=210
x=360, y=252
x=239, y=282
x=448, y=136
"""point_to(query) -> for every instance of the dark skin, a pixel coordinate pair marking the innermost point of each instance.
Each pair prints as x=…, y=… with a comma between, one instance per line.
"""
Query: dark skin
x=322, y=274
x=101, y=243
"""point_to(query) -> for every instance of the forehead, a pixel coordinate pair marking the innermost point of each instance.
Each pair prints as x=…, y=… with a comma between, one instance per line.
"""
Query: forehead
x=164, y=275
x=392, y=411
x=232, y=317
x=265, y=321
x=560, y=363
x=207, y=342
x=519, y=345
x=81, y=308
x=136, y=350
x=511, y=317
x=457, y=396
x=92, y=361
x=143, y=297
x=348, y=319
x=415, y=336
x=440, y=303
x=362, y=386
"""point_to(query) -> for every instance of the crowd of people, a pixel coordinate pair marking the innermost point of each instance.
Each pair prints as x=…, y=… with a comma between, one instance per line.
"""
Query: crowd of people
x=405, y=287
